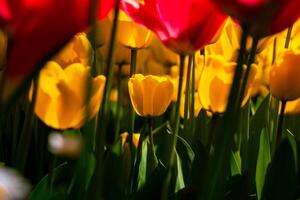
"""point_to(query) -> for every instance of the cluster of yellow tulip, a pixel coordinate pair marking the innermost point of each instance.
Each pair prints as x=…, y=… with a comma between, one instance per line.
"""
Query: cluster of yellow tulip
x=61, y=91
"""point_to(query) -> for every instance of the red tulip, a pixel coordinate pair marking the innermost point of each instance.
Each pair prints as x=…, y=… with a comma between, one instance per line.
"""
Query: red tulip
x=5, y=14
x=39, y=27
x=182, y=25
x=265, y=17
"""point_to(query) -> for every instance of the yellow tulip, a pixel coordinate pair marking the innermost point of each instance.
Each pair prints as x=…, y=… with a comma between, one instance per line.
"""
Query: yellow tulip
x=292, y=107
x=61, y=94
x=216, y=81
x=150, y=95
x=131, y=34
x=228, y=44
x=77, y=51
x=284, y=76
x=162, y=54
x=135, y=138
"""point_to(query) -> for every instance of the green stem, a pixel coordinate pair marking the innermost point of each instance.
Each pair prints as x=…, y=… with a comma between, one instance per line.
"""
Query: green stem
x=280, y=123
x=187, y=112
x=274, y=51
x=25, y=138
x=288, y=37
x=118, y=112
x=171, y=160
x=248, y=69
x=132, y=113
x=95, y=187
x=51, y=172
x=213, y=185
x=151, y=137
x=212, y=129
x=192, y=109
x=135, y=171
x=131, y=121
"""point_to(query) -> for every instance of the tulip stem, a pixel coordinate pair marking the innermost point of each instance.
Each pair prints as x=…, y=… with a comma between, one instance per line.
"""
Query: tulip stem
x=211, y=136
x=280, y=123
x=192, y=108
x=24, y=142
x=132, y=117
x=132, y=113
x=95, y=187
x=248, y=69
x=187, y=110
x=150, y=122
x=171, y=160
x=288, y=37
x=118, y=102
x=216, y=174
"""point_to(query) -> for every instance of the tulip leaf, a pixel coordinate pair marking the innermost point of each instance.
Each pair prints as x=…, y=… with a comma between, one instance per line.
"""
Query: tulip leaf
x=179, y=184
x=42, y=189
x=281, y=178
x=143, y=166
x=114, y=173
x=244, y=132
x=264, y=158
x=187, y=155
x=290, y=136
x=257, y=123
x=235, y=163
x=154, y=184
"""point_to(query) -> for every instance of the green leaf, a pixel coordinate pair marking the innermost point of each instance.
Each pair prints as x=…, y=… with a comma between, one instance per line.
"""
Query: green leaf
x=235, y=163
x=152, y=187
x=281, y=177
x=143, y=166
x=42, y=189
x=179, y=184
x=293, y=142
x=258, y=122
x=264, y=158
x=186, y=155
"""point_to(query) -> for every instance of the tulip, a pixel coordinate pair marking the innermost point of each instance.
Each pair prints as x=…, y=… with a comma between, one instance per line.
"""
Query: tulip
x=135, y=138
x=5, y=13
x=60, y=101
x=264, y=17
x=284, y=76
x=162, y=54
x=131, y=34
x=38, y=28
x=178, y=23
x=76, y=51
x=216, y=81
x=292, y=107
x=150, y=95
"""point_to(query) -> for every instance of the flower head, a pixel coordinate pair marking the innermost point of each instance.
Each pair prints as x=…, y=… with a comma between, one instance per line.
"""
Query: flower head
x=264, y=16
x=284, y=76
x=216, y=81
x=182, y=25
x=61, y=95
x=150, y=95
